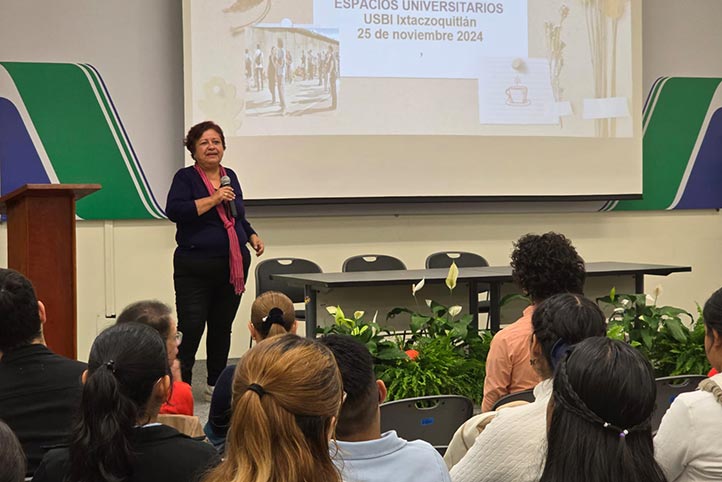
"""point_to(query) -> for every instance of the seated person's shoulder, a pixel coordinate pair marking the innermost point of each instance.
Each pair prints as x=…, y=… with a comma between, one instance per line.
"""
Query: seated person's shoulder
x=54, y=466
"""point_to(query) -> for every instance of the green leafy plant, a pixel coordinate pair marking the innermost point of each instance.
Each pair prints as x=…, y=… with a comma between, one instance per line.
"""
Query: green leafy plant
x=370, y=334
x=658, y=332
x=439, y=369
x=448, y=353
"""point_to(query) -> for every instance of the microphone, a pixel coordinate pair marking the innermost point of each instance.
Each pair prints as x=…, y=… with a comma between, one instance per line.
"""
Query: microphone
x=226, y=181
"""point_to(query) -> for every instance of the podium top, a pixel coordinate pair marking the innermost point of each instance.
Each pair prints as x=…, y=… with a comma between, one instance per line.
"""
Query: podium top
x=79, y=191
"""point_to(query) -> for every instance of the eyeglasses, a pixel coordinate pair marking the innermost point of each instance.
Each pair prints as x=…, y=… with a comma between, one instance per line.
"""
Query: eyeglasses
x=178, y=337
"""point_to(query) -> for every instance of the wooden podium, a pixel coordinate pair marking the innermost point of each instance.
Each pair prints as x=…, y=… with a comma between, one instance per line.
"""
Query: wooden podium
x=41, y=245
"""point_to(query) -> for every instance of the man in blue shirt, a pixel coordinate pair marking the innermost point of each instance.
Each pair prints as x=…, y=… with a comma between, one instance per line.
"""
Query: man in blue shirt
x=364, y=453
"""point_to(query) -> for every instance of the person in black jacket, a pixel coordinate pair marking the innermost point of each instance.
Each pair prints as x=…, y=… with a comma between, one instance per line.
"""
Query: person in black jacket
x=39, y=390
x=211, y=262
x=117, y=436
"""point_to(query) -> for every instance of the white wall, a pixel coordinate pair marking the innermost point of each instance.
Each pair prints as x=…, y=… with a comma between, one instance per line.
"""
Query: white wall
x=143, y=251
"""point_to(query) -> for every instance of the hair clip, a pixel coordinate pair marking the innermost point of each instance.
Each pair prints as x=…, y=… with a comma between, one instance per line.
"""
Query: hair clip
x=110, y=366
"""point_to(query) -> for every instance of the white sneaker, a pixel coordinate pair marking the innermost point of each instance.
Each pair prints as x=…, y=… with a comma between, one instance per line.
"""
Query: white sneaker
x=208, y=393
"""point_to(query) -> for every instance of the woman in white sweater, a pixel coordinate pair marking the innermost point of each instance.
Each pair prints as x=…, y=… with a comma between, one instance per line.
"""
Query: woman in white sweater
x=687, y=445
x=512, y=447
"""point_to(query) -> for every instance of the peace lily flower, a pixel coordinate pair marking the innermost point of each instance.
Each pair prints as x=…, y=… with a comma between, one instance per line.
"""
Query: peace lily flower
x=428, y=303
x=656, y=292
x=452, y=276
x=375, y=315
x=417, y=287
x=357, y=315
x=331, y=310
x=454, y=310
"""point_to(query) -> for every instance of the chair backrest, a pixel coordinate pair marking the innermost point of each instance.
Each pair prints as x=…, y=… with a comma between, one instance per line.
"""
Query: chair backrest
x=667, y=390
x=266, y=268
x=463, y=259
x=186, y=424
x=434, y=418
x=524, y=395
x=372, y=262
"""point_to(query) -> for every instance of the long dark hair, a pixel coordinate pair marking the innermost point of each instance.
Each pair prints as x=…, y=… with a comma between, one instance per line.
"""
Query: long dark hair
x=126, y=361
x=604, y=396
x=563, y=320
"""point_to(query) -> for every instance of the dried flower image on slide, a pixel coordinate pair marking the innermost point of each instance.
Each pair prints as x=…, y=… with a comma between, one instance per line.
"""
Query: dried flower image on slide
x=603, y=18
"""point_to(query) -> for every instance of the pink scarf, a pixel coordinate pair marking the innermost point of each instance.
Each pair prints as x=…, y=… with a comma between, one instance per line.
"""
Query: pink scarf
x=236, y=258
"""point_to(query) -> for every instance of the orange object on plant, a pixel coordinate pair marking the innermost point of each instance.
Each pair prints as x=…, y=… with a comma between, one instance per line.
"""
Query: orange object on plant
x=413, y=354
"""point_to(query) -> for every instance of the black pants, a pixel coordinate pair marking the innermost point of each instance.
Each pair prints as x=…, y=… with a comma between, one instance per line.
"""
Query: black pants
x=204, y=294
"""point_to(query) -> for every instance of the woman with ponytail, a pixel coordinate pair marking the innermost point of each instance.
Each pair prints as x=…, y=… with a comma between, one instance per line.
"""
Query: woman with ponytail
x=511, y=447
x=116, y=437
x=272, y=314
x=599, y=428
x=287, y=393
x=687, y=445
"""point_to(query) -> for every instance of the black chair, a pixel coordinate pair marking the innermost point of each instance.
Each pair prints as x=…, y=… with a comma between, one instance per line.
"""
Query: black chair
x=434, y=418
x=667, y=390
x=524, y=395
x=463, y=259
x=372, y=262
x=266, y=268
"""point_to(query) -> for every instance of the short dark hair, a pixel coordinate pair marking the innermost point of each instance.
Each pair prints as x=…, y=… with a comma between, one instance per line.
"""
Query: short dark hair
x=563, y=320
x=153, y=313
x=11, y=455
x=604, y=395
x=195, y=133
x=547, y=264
x=712, y=313
x=19, y=317
x=359, y=382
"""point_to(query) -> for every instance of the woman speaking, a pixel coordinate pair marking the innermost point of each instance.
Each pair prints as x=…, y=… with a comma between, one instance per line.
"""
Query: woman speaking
x=211, y=261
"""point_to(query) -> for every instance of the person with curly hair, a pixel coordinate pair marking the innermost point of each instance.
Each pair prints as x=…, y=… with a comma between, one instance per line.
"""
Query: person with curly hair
x=542, y=266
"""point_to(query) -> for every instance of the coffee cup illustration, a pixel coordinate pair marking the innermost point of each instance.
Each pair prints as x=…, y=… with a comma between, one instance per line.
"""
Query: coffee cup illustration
x=517, y=94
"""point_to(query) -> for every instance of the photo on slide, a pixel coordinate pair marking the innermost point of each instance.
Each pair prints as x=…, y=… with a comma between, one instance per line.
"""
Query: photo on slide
x=291, y=71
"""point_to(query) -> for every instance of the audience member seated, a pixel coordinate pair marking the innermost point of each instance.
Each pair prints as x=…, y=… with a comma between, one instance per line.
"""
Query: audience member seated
x=363, y=453
x=117, y=436
x=287, y=392
x=40, y=390
x=687, y=444
x=542, y=266
x=511, y=447
x=272, y=314
x=159, y=316
x=12, y=458
x=466, y=434
x=599, y=428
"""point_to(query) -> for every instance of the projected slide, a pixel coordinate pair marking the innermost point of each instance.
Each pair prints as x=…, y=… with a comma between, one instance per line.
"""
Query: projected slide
x=412, y=67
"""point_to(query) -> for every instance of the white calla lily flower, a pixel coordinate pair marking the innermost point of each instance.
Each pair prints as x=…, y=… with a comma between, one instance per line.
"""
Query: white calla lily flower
x=452, y=276
x=454, y=310
x=417, y=287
